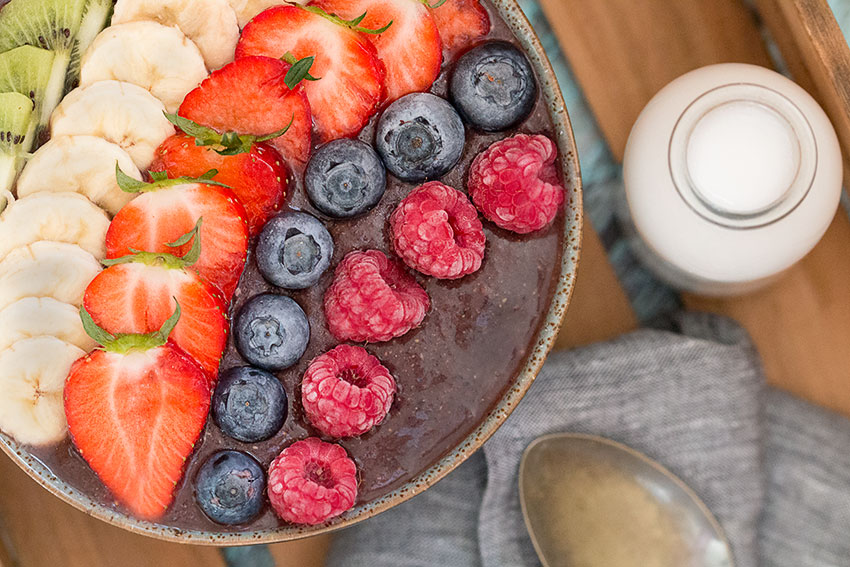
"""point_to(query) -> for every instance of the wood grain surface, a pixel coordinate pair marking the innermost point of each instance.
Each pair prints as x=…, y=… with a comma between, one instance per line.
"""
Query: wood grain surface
x=46, y=532
x=599, y=309
x=815, y=51
x=622, y=52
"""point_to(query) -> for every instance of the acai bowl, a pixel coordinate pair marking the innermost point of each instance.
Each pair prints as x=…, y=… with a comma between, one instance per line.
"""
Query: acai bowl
x=459, y=364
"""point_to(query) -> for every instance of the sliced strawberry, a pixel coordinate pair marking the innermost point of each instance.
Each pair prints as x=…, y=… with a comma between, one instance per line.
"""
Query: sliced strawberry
x=138, y=298
x=351, y=77
x=250, y=96
x=410, y=49
x=159, y=216
x=135, y=418
x=258, y=178
x=461, y=23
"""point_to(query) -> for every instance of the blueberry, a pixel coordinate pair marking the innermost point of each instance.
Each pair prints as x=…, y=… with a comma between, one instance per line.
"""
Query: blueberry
x=271, y=331
x=493, y=86
x=230, y=488
x=345, y=178
x=294, y=250
x=420, y=136
x=249, y=404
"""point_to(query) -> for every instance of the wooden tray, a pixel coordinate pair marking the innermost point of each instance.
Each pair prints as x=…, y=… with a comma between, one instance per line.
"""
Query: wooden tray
x=622, y=52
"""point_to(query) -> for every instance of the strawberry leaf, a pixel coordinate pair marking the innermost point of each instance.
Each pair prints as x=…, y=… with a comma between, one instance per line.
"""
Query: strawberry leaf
x=228, y=143
x=165, y=331
x=163, y=259
x=123, y=343
x=351, y=24
x=188, y=236
x=356, y=21
x=435, y=5
x=127, y=183
x=200, y=133
x=299, y=70
x=159, y=180
x=274, y=135
x=94, y=330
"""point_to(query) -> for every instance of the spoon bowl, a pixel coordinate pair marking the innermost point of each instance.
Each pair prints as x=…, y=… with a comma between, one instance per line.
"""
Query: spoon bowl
x=592, y=502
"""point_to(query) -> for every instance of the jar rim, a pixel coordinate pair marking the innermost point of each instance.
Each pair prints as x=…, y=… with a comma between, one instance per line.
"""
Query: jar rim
x=771, y=100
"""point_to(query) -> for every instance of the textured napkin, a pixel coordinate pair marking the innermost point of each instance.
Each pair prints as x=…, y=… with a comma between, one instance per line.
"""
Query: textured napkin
x=689, y=400
x=806, y=520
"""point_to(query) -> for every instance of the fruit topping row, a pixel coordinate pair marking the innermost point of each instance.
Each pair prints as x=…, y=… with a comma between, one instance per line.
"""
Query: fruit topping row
x=159, y=176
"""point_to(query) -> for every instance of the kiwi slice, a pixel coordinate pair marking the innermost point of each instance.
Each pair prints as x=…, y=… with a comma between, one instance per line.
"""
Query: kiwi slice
x=60, y=26
x=26, y=70
x=96, y=15
x=17, y=130
x=50, y=24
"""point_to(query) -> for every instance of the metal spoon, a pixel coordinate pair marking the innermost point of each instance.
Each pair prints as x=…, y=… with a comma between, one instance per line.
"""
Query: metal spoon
x=593, y=502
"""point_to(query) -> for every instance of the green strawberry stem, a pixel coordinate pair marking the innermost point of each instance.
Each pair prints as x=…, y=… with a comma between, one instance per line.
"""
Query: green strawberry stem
x=165, y=260
x=231, y=143
x=160, y=179
x=123, y=343
x=299, y=70
x=351, y=24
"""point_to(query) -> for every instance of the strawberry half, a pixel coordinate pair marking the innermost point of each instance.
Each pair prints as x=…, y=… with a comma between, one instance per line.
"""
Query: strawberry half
x=350, y=85
x=410, y=48
x=258, y=177
x=461, y=23
x=250, y=96
x=136, y=294
x=135, y=410
x=168, y=209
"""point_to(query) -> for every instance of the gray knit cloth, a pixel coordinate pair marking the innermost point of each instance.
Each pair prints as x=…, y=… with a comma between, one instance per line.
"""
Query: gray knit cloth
x=694, y=401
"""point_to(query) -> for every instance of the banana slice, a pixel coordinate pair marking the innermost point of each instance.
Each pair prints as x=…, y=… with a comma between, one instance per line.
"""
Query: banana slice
x=58, y=217
x=43, y=316
x=211, y=24
x=122, y=113
x=158, y=58
x=79, y=164
x=32, y=379
x=247, y=9
x=47, y=269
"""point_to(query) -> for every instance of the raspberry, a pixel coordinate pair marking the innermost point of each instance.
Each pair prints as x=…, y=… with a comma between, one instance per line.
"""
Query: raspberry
x=373, y=298
x=311, y=482
x=435, y=230
x=514, y=183
x=346, y=392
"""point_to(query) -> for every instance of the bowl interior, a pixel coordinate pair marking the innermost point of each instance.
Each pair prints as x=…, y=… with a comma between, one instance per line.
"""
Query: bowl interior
x=519, y=25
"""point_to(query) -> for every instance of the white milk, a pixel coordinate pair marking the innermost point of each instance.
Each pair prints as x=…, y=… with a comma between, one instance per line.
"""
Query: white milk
x=732, y=174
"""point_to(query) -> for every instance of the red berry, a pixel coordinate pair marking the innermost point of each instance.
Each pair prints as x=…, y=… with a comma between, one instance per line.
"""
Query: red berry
x=346, y=392
x=155, y=218
x=412, y=66
x=138, y=298
x=373, y=298
x=514, y=183
x=249, y=96
x=311, y=482
x=258, y=178
x=351, y=77
x=435, y=230
x=461, y=23
x=135, y=419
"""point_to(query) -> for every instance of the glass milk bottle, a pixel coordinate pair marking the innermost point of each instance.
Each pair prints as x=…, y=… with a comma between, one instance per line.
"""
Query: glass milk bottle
x=732, y=174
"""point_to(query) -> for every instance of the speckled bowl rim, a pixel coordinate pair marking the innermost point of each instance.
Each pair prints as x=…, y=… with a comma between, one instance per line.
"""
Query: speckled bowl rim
x=510, y=11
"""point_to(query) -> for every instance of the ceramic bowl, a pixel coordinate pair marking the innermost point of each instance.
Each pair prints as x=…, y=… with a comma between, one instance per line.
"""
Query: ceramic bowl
x=519, y=25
